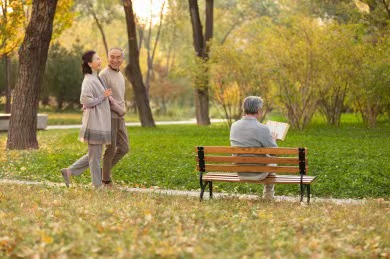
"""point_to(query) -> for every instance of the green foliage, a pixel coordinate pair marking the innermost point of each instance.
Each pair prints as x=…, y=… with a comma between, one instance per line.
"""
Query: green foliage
x=378, y=15
x=280, y=60
x=239, y=70
x=64, y=17
x=338, y=69
x=11, y=25
x=304, y=59
x=63, y=77
x=371, y=92
x=349, y=160
x=13, y=21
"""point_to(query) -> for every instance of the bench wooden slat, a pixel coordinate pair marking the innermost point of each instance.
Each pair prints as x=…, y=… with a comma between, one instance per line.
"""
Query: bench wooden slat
x=250, y=169
x=248, y=150
x=261, y=182
x=268, y=181
x=257, y=160
x=234, y=175
x=280, y=179
x=221, y=174
x=224, y=172
x=297, y=179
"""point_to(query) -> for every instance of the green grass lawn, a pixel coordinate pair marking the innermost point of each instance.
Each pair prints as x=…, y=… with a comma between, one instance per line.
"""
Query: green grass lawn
x=350, y=161
x=53, y=222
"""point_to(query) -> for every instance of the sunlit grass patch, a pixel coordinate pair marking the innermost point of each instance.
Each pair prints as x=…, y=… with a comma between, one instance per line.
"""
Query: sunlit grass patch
x=53, y=221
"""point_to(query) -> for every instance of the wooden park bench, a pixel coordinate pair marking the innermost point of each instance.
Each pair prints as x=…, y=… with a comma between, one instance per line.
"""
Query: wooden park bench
x=219, y=164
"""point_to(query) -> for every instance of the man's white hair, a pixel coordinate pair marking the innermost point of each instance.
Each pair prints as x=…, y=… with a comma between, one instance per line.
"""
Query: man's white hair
x=252, y=104
x=117, y=48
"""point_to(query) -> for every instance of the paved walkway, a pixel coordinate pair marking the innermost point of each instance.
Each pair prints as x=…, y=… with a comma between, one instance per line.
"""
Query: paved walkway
x=193, y=193
x=132, y=124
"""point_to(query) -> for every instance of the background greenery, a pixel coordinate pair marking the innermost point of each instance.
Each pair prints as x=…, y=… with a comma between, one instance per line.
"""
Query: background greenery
x=302, y=57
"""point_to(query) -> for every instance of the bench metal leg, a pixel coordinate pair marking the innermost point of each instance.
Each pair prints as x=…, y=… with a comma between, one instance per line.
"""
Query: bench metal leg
x=203, y=187
x=211, y=189
x=307, y=187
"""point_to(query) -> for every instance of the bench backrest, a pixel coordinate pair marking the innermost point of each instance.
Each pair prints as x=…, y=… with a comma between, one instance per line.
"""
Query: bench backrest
x=228, y=159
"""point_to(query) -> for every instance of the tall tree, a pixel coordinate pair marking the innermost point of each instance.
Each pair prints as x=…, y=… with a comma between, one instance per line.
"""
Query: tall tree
x=202, y=52
x=32, y=61
x=133, y=70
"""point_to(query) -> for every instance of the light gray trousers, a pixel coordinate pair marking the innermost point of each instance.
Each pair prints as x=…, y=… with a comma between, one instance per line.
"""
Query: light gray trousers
x=91, y=160
x=269, y=189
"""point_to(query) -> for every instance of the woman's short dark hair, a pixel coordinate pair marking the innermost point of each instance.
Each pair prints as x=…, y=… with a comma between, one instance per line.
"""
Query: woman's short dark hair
x=87, y=58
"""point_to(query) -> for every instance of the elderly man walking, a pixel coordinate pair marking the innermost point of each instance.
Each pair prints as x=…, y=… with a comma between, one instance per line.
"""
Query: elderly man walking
x=114, y=80
x=249, y=132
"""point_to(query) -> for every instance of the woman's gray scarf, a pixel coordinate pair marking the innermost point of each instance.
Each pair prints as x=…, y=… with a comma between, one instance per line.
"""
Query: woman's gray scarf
x=96, y=128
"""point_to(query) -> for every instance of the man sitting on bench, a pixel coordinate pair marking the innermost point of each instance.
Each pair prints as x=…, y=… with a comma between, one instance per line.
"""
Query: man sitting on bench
x=249, y=132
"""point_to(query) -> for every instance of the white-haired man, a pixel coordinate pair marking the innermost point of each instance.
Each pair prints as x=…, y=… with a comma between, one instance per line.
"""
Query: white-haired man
x=249, y=132
x=114, y=80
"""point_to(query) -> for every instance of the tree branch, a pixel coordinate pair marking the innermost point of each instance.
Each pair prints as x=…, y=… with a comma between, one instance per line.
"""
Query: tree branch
x=159, y=31
x=100, y=28
x=387, y=7
x=229, y=31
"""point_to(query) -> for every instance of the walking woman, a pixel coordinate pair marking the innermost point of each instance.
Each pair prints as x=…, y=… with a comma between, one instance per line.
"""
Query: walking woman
x=96, y=128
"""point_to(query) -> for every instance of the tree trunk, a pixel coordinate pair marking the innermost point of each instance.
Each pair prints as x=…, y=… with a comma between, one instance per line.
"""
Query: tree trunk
x=197, y=33
x=209, y=24
x=133, y=70
x=202, y=51
x=32, y=61
x=8, y=89
x=163, y=106
x=60, y=104
x=331, y=104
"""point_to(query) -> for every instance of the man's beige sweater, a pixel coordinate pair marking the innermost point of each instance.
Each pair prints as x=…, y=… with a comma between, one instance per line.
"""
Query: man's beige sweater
x=115, y=81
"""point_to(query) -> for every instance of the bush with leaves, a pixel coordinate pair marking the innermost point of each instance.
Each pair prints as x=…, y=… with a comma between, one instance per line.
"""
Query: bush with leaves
x=63, y=76
x=371, y=89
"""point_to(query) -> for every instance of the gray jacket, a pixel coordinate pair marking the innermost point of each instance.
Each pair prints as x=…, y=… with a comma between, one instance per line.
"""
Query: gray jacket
x=249, y=132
